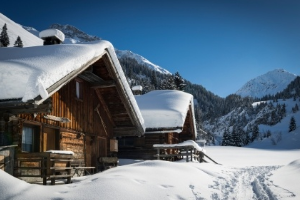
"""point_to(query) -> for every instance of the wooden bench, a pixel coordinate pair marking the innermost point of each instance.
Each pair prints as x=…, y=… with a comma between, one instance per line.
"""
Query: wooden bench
x=108, y=162
x=83, y=170
x=79, y=168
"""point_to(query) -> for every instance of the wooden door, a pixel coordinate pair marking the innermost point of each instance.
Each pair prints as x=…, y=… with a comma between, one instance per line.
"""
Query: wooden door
x=98, y=150
x=50, y=139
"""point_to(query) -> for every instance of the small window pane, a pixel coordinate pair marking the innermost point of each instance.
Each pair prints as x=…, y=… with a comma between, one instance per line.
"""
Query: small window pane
x=78, y=90
x=27, y=139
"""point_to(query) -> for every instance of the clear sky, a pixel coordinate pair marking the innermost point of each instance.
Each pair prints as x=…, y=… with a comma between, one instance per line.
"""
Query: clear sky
x=219, y=44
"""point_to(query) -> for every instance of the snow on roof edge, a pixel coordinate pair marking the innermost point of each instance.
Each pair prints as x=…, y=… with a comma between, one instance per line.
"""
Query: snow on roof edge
x=126, y=87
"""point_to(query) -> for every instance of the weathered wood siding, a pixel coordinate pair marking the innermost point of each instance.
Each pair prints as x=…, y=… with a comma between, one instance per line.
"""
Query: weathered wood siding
x=80, y=135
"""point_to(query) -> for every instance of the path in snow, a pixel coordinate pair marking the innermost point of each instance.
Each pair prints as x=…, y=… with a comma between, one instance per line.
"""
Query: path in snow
x=248, y=183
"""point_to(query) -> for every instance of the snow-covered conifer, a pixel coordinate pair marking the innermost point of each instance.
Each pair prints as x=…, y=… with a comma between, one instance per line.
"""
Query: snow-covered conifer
x=179, y=81
x=292, y=126
x=226, y=138
x=4, y=39
x=255, y=133
x=18, y=42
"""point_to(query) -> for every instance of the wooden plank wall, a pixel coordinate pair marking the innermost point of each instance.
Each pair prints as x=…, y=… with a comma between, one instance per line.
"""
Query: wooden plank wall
x=84, y=120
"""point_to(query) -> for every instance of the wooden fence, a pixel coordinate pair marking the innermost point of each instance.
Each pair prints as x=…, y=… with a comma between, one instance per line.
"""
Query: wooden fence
x=178, y=152
x=45, y=165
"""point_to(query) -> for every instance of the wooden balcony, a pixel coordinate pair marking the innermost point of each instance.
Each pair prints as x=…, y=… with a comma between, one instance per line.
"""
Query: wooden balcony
x=45, y=165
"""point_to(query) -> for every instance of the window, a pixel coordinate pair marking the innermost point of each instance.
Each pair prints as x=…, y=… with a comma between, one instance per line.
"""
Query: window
x=30, y=139
x=79, y=89
x=27, y=139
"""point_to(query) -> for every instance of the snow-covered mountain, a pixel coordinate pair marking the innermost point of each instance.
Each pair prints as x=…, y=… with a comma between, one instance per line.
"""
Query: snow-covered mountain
x=141, y=60
x=73, y=34
x=14, y=30
x=267, y=84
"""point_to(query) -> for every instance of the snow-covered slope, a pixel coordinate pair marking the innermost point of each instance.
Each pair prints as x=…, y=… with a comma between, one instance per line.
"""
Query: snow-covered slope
x=269, y=117
x=32, y=30
x=14, y=30
x=245, y=173
x=141, y=60
x=267, y=84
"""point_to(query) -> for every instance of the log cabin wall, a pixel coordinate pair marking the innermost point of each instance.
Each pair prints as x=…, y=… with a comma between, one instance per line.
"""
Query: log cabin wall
x=188, y=132
x=87, y=134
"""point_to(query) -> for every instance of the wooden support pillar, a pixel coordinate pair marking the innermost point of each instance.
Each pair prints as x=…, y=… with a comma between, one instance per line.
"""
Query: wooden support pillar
x=186, y=154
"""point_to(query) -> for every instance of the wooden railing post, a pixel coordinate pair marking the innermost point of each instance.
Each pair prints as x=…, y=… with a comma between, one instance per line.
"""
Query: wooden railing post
x=187, y=154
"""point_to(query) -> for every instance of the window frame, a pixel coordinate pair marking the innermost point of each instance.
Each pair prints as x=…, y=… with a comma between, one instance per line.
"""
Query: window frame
x=79, y=89
x=35, y=139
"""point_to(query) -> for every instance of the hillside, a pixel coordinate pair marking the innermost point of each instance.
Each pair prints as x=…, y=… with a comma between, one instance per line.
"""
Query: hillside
x=267, y=122
x=14, y=30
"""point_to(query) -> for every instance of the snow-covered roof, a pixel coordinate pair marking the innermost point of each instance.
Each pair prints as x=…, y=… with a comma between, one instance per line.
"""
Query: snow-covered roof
x=165, y=110
x=52, y=32
x=137, y=88
x=26, y=73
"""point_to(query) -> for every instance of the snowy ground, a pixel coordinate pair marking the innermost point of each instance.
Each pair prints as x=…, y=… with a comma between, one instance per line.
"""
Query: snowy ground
x=245, y=173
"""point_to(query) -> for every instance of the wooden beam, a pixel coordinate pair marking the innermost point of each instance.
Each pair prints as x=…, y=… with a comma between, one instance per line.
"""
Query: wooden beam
x=21, y=108
x=123, y=95
x=95, y=80
x=57, y=119
x=108, y=84
x=105, y=107
x=102, y=122
x=125, y=131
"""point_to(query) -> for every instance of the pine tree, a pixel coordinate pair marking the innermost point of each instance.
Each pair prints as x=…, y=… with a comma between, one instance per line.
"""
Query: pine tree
x=269, y=134
x=226, y=137
x=255, y=133
x=168, y=84
x=292, y=126
x=236, y=139
x=154, y=79
x=4, y=39
x=179, y=81
x=18, y=42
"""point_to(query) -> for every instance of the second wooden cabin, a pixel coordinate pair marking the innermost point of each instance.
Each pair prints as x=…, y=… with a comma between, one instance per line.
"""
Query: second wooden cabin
x=169, y=119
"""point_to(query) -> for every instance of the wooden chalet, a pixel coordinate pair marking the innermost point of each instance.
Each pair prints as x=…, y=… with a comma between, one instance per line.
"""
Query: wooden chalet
x=82, y=103
x=169, y=119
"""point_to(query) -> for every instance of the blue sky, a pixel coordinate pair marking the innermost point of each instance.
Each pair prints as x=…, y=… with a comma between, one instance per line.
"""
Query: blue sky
x=218, y=44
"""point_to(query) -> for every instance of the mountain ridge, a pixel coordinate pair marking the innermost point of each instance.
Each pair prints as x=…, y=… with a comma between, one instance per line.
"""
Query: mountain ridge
x=269, y=83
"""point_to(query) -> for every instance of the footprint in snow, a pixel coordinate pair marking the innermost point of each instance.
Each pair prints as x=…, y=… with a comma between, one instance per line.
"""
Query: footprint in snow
x=140, y=181
x=94, y=179
x=166, y=186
